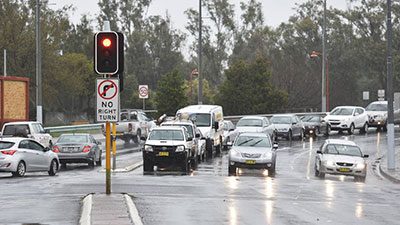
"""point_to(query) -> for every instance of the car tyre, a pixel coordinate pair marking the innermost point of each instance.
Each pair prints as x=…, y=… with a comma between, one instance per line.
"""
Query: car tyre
x=351, y=129
x=92, y=161
x=194, y=162
x=186, y=166
x=64, y=165
x=98, y=163
x=364, y=129
x=53, y=168
x=136, y=138
x=21, y=170
x=290, y=136
x=318, y=173
x=232, y=170
x=272, y=170
x=147, y=166
x=301, y=136
x=209, y=148
x=384, y=127
x=328, y=130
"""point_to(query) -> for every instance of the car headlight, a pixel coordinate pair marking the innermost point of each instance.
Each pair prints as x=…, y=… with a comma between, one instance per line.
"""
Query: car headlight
x=283, y=129
x=360, y=166
x=329, y=163
x=235, y=153
x=180, y=149
x=148, y=148
x=267, y=155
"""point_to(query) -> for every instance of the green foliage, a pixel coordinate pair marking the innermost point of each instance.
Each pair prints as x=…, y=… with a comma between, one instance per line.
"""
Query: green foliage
x=248, y=89
x=170, y=95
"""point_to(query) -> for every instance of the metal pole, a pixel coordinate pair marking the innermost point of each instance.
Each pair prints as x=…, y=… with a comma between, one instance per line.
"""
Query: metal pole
x=108, y=159
x=39, y=115
x=144, y=104
x=114, y=145
x=5, y=62
x=389, y=92
x=200, y=94
x=327, y=86
x=323, y=100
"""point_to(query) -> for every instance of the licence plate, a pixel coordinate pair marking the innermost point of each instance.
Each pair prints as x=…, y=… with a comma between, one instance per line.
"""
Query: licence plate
x=163, y=154
x=251, y=162
x=344, y=169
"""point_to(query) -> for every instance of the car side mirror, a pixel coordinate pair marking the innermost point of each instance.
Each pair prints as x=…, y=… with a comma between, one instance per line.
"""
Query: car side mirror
x=365, y=156
x=275, y=145
x=203, y=138
x=189, y=139
x=319, y=152
x=294, y=123
x=231, y=129
x=143, y=138
x=46, y=149
x=197, y=135
x=216, y=125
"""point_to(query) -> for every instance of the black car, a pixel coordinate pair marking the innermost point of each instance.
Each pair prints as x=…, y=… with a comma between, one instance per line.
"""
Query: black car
x=315, y=125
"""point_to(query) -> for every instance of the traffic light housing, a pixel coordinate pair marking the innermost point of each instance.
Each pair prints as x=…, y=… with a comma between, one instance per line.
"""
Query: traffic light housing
x=106, y=52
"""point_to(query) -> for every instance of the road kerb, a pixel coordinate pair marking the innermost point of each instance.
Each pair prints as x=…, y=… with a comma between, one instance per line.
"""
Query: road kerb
x=133, y=212
x=388, y=176
x=86, y=210
x=124, y=170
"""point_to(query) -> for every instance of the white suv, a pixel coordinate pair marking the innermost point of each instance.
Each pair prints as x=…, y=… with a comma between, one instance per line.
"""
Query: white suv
x=29, y=129
x=348, y=118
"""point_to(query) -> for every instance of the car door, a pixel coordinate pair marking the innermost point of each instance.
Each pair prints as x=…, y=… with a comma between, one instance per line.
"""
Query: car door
x=143, y=124
x=29, y=156
x=296, y=126
x=42, y=158
x=39, y=134
x=96, y=147
x=359, y=117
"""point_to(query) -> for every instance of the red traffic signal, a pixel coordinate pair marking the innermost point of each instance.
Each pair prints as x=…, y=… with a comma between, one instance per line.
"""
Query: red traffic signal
x=106, y=52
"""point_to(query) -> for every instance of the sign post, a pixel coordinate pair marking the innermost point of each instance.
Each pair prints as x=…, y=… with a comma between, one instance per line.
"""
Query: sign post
x=143, y=93
x=107, y=92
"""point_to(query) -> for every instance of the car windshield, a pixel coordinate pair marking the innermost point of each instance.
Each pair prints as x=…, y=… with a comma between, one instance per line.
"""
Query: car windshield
x=6, y=144
x=188, y=127
x=201, y=120
x=280, y=120
x=73, y=139
x=339, y=149
x=342, y=111
x=253, y=141
x=175, y=135
x=249, y=123
x=376, y=107
x=310, y=119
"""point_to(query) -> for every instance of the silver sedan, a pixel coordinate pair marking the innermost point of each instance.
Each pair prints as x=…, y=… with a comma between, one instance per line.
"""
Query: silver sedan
x=341, y=157
x=253, y=151
x=21, y=155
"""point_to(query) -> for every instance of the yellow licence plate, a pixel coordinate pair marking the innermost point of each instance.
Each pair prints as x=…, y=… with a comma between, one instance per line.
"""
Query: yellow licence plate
x=251, y=162
x=163, y=154
x=344, y=169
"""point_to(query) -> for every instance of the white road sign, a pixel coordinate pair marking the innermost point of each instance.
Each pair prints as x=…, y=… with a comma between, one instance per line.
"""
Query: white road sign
x=143, y=91
x=107, y=91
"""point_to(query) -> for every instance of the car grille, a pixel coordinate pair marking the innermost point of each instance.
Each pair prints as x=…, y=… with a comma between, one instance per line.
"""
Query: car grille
x=164, y=148
x=344, y=164
x=253, y=156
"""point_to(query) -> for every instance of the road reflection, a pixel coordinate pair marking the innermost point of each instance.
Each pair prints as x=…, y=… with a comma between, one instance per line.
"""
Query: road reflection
x=233, y=220
x=329, y=191
x=359, y=210
x=310, y=149
x=269, y=192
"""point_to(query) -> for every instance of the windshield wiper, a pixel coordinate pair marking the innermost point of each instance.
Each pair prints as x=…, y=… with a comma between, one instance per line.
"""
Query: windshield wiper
x=256, y=142
x=244, y=142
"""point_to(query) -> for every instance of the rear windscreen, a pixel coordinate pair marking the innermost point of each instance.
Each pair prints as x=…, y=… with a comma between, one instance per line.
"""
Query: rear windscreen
x=14, y=129
x=6, y=144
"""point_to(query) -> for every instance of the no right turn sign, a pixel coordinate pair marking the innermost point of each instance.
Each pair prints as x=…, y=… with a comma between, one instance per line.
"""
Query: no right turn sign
x=143, y=91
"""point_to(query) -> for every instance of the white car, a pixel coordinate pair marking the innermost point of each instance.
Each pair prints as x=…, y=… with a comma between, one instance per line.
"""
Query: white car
x=341, y=157
x=255, y=124
x=377, y=114
x=230, y=133
x=30, y=129
x=21, y=155
x=348, y=118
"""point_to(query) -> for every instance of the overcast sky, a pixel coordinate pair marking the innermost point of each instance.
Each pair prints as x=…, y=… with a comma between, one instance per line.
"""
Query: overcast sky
x=275, y=11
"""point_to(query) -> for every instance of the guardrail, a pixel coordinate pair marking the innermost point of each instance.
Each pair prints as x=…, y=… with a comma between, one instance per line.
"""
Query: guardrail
x=93, y=127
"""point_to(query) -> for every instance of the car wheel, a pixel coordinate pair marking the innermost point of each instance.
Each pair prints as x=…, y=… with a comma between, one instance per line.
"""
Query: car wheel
x=271, y=171
x=126, y=139
x=384, y=127
x=98, y=162
x=194, y=162
x=63, y=165
x=53, y=168
x=91, y=162
x=328, y=130
x=21, y=169
x=351, y=129
x=364, y=129
x=290, y=136
x=301, y=136
x=209, y=148
x=186, y=166
x=232, y=170
x=226, y=145
x=320, y=174
x=147, y=166
x=136, y=138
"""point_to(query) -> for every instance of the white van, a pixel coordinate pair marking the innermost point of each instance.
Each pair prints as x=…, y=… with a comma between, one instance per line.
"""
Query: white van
x=209, y=120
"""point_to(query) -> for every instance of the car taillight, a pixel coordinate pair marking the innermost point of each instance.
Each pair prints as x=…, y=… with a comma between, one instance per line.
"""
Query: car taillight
x=8, y=152
x=130, y=127
x=56, y=149
x=86, y=148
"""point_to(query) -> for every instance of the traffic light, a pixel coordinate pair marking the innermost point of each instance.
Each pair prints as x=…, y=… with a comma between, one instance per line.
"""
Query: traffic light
x=106, y=52
x=120, y=72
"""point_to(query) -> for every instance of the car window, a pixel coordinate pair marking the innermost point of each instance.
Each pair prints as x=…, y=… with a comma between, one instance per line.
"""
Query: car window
x=360, y=111
x=342, y=111
x=249, y=123
x=340, y=149
x=280, y=120
x=24, y=144
x=176, y=135
x=376, y=107
x=6, y=144
x=38, y=128
x=16, y=129
x=73, y=139
x=201, y=119
x=35, y=146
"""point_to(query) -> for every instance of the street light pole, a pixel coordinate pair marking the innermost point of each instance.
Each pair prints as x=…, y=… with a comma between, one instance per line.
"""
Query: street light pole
x=323, y=100
x=39, y=114
x=200, y=92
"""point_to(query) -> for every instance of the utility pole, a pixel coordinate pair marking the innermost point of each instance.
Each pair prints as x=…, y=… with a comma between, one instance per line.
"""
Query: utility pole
x=200, y=94
x=39, y=114
x=323, y=82
x=389, y=92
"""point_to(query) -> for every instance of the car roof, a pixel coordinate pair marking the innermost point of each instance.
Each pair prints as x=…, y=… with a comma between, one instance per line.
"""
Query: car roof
x=378, y=102
x=253, y=117
x=199, y=108
x=348, y=106
x=21, y=122
x=178, y=122
x=168, y=128
x=14, y=139
x=340, y=142
x=285, y=115
x=73, y=134
x=254, y=134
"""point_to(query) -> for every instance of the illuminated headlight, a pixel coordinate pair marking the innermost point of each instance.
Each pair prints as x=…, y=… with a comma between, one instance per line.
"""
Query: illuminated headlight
x=360, y=166
x=180, y=149
x=267, y=155
x=329, y=163
x=235, y=153
x=148, y=148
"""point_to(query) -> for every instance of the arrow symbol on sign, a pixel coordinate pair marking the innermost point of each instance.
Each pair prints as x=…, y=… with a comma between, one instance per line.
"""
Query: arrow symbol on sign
x=105, y=89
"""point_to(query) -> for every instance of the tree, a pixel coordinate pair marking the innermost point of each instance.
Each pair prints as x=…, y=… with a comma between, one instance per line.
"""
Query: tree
x=171, y=95
x=248, y=89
